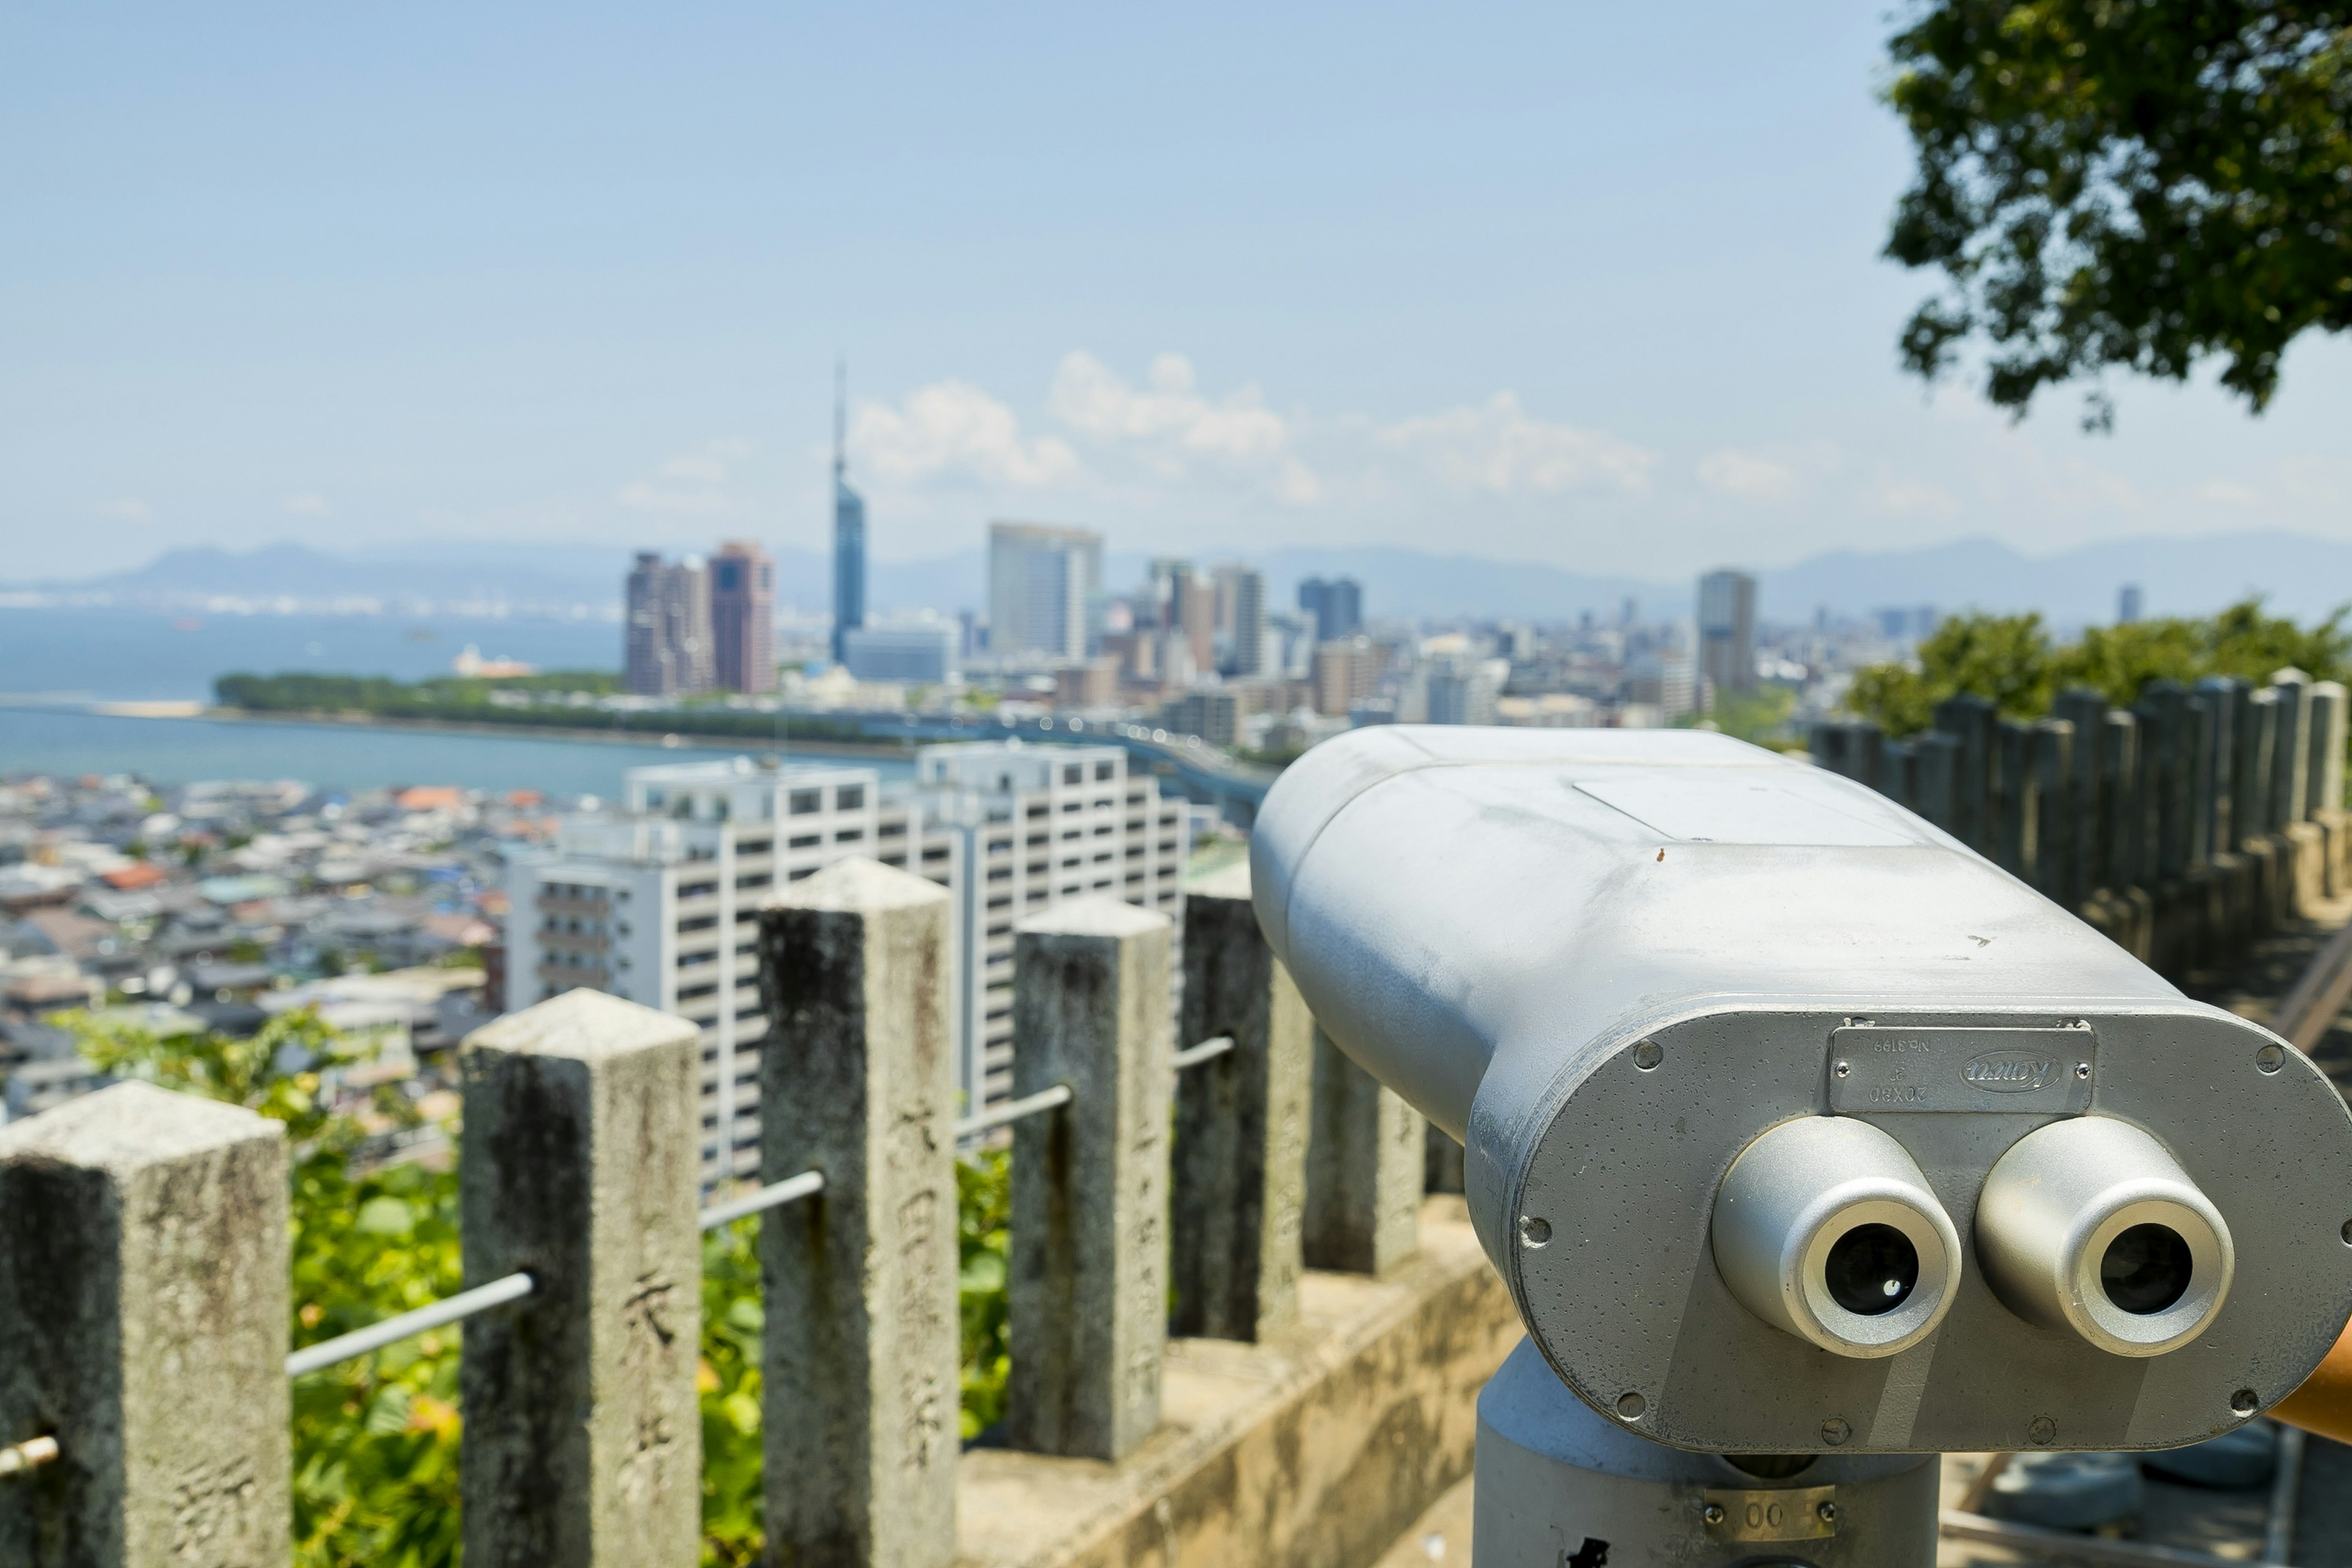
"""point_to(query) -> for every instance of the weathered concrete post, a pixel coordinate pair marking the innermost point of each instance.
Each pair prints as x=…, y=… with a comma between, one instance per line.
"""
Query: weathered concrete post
x=144, y=1324
x=2306, y=842
x=2086, y=710
x=1241, y=1123
x=1969, y=719
x=581, y=1167
x=2120, y=771
x=2052, y=764
x=1935, y=773
x=2326, y=792
x=2217, y=697
x=2291, y=775
x=2257, y=736
x=860, y=1353
x=2166, y=743
x=1866, y=753
x=1088, y=1278
x=1827, y=745
x=1898, y=773
x=2328, y=718
x=1367, y=1151
x=2015, y=802
x=2131, y=906
x=2274, y=858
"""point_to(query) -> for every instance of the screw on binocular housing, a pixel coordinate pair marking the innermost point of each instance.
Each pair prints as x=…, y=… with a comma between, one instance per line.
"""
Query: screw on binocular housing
x=1794, y=1126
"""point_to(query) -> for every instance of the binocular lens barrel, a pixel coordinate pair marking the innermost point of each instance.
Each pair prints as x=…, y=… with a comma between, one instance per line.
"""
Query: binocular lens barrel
x=2090, y=1226
x=1825, y=1228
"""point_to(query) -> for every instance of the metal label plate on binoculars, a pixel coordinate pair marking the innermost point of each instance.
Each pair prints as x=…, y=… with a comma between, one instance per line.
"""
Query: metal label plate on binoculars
x=1881, y=1069
x=1782, y=1513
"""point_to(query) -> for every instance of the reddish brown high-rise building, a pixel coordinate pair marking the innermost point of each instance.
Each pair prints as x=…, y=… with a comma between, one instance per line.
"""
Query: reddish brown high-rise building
x=743, y=616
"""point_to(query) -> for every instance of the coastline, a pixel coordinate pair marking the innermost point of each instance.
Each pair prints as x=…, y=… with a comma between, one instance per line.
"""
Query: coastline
x=604, y=735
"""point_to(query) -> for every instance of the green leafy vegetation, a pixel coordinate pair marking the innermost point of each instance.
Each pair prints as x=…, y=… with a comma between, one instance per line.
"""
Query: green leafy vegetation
x=2014, y=660
x=464, y=700
x=375, y=1440
x=2116, y=186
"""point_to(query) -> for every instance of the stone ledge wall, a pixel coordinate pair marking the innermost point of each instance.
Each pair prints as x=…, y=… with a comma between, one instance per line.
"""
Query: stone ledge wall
x=1315, y=1449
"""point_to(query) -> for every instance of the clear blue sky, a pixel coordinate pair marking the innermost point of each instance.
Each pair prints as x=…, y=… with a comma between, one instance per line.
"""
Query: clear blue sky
x=1591, y=285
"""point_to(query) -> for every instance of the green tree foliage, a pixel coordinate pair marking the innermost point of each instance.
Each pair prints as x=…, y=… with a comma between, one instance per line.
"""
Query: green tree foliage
x=468, y=700
x=375, y=1440
x=2125, y=183
x=984, y=1207
x=2012, y=660
x=2005, y=658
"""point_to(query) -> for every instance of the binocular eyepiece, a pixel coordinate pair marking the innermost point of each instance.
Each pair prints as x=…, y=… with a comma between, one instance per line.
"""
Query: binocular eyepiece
x=2090, y=1226
x=1825, y=1228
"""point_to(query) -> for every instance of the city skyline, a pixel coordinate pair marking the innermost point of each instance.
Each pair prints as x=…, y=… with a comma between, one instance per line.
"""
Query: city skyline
x=533, y=320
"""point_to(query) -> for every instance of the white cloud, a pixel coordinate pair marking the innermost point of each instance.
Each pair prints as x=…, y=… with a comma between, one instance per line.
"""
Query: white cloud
x=1168, y=426
x=308, y=503
x=125, y=509
x=1497, y=447
x=1745, y=475
x=953, y=430
x=1911, y=497
x=2228, y=492
x=691, y=484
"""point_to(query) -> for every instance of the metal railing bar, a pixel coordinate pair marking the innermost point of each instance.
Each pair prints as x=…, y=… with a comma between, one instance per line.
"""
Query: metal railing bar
x=996, y=1116
x=1193, y=1056
x=375, y=1336
x=807, y=1184
x=19, y=1458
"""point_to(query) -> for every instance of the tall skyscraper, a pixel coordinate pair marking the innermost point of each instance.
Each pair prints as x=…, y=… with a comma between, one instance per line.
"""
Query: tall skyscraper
x=2127, y=604
x=669, y=648
x=1726, y=630
x=1337, y=604
x=1041, y=580
x=848, y=526
x=1248, y=626
x=743, y=617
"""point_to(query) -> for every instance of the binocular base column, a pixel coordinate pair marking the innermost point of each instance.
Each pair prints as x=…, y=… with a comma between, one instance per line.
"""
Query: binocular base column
x=1561, y=1486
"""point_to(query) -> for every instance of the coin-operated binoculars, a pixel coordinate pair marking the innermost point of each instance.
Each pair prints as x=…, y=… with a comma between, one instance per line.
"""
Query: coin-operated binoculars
x=1810, y=1144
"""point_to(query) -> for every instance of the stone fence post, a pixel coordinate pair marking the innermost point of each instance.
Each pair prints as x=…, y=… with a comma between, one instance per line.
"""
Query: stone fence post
x=861, y=1361
x=1969, y=719
x=2326, y=792
x=2052, y=759
x=1934, y=773
x=2086, y=710
x=2218, y=695
x=1898, y=773
x=2119, y=779
x=144, y=1282
x=581, y=1167
x=2290, y=776
x=1240, y=1177
x=1367, y=1169
x=2256, y=732
x=1089, y=1277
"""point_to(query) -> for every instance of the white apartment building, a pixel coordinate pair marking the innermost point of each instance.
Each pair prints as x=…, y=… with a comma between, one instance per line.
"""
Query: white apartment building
x=1033, y=826
x=659, y=901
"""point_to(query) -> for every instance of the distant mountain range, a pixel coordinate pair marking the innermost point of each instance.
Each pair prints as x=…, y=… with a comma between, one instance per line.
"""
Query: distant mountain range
x=2299, y=574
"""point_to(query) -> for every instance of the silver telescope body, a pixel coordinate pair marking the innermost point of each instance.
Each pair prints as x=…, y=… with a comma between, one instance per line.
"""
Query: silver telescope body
x=1793, y=1124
